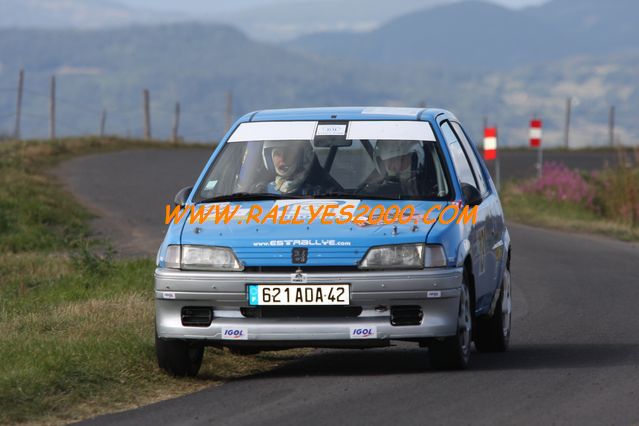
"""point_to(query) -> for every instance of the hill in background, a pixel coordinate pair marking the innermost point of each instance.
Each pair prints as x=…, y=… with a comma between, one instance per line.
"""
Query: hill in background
x=41, y=14
x=264, y=20
x=486, y=36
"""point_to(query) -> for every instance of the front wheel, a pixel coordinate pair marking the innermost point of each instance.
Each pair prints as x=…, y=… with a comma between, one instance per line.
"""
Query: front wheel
x=493, y=334
x=179, y=357
x=453, y=353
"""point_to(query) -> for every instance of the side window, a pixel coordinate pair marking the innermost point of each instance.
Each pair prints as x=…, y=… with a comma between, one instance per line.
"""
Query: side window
x=464, y=172
x=474, y=162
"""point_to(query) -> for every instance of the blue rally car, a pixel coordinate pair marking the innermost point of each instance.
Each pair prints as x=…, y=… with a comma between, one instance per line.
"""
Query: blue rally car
x=262, y=281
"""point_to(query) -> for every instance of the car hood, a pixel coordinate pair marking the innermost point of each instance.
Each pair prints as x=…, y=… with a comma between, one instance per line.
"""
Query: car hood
x=271, y=244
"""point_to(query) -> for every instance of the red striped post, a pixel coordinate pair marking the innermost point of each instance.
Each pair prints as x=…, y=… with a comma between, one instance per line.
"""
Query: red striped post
x=535, y=142
x=490, y=143
x=535, y=133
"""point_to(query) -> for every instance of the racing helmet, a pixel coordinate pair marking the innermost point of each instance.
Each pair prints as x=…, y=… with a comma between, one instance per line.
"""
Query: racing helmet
x=298, y=157
x=386, y=150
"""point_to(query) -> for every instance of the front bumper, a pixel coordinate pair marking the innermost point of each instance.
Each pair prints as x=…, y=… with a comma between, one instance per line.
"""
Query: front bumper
x=436, y=291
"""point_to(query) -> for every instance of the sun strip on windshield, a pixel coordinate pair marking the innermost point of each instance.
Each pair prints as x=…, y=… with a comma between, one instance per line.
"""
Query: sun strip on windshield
x=275, y=131
x=307, y=130
x=391, y=130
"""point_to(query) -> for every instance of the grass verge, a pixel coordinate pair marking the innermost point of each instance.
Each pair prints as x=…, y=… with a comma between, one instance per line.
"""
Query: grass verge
x=602, y=202
x=537, y=210
x=76, y=324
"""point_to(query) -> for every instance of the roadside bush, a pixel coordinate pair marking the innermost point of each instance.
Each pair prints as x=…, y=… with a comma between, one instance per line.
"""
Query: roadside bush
x=612, y=193
x=559, y=183
x=618, y=192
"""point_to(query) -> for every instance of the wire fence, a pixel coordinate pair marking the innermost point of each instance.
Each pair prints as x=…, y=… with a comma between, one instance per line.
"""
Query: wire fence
x=27, y=113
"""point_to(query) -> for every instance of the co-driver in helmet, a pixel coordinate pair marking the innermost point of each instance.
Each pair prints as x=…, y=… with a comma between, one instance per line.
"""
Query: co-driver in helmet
x=399, y=169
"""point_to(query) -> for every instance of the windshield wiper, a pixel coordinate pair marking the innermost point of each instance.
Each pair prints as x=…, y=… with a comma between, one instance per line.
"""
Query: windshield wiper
x=248, y=196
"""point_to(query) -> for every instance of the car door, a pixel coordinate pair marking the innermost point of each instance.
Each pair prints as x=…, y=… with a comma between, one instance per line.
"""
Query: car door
x=479, y=232
x=495, y=224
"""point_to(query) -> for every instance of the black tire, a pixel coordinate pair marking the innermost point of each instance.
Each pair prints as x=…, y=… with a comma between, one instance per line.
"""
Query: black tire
x=493, y=333
x=453, y=353
x=179, y=357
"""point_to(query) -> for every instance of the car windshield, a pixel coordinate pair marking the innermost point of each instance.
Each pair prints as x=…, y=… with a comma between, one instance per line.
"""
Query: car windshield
x=330, y=163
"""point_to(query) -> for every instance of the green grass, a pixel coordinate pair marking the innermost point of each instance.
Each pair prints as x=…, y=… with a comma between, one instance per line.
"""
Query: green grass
x=76, y=324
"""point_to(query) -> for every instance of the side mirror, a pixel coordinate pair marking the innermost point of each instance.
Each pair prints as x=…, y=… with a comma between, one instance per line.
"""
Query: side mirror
x=182, y=196
x=472, y=196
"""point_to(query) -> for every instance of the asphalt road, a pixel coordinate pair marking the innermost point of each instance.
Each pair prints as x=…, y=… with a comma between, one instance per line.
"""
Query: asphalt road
x=128, y=191
x=574, y=357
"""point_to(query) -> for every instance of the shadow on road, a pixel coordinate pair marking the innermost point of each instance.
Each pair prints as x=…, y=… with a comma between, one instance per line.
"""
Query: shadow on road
x=402, y=361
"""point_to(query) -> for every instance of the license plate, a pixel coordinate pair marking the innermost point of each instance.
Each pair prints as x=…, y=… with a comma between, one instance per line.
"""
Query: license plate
x=298, y=294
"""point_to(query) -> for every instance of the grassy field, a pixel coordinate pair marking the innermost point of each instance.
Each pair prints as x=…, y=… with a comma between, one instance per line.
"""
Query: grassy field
x=76, y=324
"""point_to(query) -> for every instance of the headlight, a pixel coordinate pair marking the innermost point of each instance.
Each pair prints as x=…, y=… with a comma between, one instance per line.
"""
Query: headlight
x=404, y=256
x=400, y=256
x=201, y=258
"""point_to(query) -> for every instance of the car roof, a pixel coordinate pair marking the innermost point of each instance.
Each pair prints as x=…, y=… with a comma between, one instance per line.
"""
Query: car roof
x=348, y=113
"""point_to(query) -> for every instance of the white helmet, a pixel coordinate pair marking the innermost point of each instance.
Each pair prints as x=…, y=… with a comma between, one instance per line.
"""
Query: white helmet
x=388, y=149
x=301, y=156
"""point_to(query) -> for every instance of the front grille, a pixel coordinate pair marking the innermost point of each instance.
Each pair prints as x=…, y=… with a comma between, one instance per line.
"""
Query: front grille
x=305, y=269
x=302, y=312
x=406, y=315
x=197, y=316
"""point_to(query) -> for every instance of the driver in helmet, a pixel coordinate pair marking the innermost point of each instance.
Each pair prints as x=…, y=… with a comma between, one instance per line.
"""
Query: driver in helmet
x=297, y=170
x=399, y=165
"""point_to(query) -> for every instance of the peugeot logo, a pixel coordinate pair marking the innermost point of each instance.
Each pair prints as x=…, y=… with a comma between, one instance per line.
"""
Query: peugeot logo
x=299, y=255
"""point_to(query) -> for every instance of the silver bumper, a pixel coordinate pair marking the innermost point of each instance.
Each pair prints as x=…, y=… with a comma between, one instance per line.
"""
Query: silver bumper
x=436, y=291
